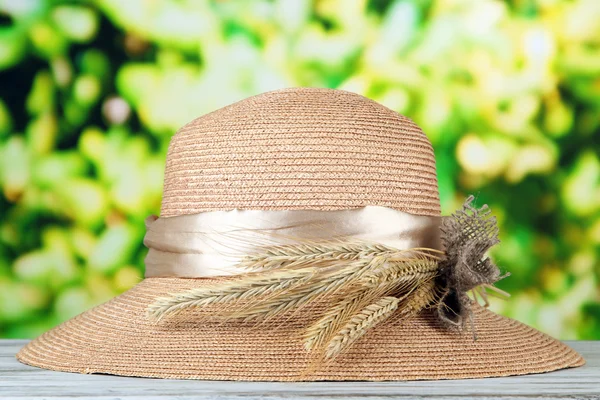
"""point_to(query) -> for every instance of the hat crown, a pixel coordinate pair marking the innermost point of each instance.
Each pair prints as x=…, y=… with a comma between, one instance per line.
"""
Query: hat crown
x=301, y=148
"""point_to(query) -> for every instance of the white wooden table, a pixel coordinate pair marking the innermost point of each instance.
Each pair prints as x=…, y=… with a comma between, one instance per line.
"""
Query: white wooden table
x=18, y=381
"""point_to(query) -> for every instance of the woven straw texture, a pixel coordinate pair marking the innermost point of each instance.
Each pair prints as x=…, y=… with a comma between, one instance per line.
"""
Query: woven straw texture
x=291, y=149
x=312, y=149
x=117, y=338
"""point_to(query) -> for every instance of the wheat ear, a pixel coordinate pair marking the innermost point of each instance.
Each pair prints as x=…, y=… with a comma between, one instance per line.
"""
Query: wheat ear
x=230, y=292
x=425, y=296
x=295, y=255
x=317, y=334
x=402, y=271
x=360, y=324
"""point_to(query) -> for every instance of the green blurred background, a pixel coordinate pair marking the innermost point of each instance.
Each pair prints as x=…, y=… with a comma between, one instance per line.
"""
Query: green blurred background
x=91, y=91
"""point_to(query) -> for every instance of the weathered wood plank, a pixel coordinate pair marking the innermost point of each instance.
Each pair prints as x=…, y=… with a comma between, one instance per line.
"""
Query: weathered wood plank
x=18, y=381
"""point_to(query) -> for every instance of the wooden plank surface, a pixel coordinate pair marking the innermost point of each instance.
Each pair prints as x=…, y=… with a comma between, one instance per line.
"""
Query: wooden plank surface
x=18, y=381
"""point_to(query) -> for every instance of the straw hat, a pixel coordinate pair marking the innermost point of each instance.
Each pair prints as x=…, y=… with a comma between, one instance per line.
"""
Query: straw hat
x=309, y=150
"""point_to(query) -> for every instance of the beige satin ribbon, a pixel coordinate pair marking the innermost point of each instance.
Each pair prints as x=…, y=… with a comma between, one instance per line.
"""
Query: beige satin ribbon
x=210, y=244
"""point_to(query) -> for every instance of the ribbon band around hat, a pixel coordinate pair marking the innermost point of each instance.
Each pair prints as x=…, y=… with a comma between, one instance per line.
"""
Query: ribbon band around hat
x=371, y=263
x=212, y=244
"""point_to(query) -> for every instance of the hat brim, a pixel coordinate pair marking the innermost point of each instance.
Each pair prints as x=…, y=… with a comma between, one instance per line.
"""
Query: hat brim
x=117, y=338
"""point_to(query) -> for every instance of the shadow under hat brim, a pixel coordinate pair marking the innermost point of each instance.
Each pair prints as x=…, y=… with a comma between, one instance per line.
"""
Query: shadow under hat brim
x=117, y=338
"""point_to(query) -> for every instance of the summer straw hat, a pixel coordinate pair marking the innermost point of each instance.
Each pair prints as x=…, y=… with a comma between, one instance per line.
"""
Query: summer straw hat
x=344, y=268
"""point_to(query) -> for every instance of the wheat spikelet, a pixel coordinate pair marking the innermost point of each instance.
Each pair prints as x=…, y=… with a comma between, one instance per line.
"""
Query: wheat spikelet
x=274, y=306
x=360, y=323
x=402, y=270
x=424, y=296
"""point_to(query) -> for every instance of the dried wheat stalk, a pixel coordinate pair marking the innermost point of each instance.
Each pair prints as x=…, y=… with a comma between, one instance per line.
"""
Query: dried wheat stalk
x=252, y=286
x=317, y=334
x=294, y=255
x=360, y=323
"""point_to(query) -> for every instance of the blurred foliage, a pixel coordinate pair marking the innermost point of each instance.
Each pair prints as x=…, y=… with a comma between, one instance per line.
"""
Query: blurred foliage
x=91, y=91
